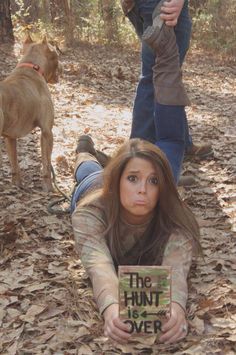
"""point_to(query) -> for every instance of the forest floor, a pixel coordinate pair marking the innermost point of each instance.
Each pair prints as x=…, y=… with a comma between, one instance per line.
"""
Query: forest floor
x=46, y=302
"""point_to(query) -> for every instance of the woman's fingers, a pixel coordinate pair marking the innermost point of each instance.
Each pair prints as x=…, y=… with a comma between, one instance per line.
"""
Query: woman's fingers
x=114, y=327
x=170, y=323
x=118, y=331
x=176, y=327
x=178, y=332
x=121, y=325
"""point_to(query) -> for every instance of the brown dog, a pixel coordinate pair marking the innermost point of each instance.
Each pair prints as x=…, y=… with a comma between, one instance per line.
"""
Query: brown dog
x=25, y=103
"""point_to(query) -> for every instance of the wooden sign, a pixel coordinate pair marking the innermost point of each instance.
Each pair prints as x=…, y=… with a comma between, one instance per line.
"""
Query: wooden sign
x=144, y=297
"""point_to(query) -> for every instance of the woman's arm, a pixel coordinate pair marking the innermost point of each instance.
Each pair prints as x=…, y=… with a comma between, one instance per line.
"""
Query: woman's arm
x=97, y=261
x=88, y=226
x=178, y=255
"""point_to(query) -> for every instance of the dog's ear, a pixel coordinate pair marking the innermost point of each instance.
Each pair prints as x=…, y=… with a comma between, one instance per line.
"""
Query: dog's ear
x=46, y=44
x=28, y=39
x=44, y=41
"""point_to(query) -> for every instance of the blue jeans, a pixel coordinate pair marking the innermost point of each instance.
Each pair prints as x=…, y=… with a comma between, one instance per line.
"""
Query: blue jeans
x=87, y=176
x=164, y=125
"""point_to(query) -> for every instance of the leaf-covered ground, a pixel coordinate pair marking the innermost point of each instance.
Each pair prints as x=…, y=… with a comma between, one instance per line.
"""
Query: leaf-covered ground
x=46, y=304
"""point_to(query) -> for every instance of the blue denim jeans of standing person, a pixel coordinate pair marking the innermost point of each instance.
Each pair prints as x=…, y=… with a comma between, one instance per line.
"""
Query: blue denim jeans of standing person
x=164, y=125
x=88, y=176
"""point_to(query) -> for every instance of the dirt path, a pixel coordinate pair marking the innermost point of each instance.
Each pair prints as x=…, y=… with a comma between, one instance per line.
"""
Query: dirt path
x=46, y=306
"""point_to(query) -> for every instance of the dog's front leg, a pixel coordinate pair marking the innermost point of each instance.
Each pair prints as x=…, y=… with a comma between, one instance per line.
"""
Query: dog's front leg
x=12, y=154
x=46, y=148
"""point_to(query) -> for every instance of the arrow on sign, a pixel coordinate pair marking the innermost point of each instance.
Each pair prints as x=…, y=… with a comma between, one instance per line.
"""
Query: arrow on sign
x=145, y=314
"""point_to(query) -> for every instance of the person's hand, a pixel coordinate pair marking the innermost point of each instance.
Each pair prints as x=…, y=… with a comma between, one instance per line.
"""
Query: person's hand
x=170, y=11
x=176, y=327
x=114, y=328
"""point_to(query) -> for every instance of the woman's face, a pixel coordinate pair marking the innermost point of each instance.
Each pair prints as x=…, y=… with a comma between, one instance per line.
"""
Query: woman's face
x=139, y=190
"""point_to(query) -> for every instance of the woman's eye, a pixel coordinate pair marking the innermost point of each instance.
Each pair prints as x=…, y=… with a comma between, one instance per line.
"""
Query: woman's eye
x=132, y=178
x=153, y=181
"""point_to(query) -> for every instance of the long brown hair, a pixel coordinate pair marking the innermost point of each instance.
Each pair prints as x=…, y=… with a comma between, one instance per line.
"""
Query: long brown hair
x=171, y=213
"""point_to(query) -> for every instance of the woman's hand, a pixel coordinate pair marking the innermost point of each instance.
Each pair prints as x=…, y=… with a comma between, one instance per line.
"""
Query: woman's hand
x=170, y=11
x=114, y=328
x=176, y=327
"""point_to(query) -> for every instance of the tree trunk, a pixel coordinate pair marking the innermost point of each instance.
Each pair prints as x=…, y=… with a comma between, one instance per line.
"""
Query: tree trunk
x=69, y=21
x=108, y=11
x=32, y=8
x=53, y=10
x=46, y=11
x=6, y=29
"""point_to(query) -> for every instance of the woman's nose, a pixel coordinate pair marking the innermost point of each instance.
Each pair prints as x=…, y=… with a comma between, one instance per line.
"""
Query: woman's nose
x=142, y=187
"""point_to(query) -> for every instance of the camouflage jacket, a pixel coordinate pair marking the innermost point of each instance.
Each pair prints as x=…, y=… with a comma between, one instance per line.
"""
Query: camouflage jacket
x=89, y=225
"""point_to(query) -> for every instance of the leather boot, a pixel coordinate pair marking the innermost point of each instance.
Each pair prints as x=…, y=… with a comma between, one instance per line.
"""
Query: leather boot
x=199, y=152
x=167, y=74
x=102, y=158
x=85, y=144
x=156, y=20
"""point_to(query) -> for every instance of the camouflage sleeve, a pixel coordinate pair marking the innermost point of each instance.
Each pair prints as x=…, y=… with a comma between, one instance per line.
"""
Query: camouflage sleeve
x=95, y=256
x=178, y=254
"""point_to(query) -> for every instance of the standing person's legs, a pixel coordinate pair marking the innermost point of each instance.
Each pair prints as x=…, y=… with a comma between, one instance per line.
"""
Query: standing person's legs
x=183, y=31
x=144, y=102
x=168, y=120
x=170, y=128
x=170, y=94
x=143, y=110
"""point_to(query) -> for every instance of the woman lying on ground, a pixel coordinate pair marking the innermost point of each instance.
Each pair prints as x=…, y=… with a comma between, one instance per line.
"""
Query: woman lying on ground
x=130, y=213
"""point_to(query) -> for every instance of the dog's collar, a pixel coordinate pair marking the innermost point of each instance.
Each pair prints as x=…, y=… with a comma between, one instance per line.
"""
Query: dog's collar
x=36, y=67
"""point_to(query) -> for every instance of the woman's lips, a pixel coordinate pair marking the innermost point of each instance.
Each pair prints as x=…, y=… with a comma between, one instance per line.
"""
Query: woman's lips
x=140, y=202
